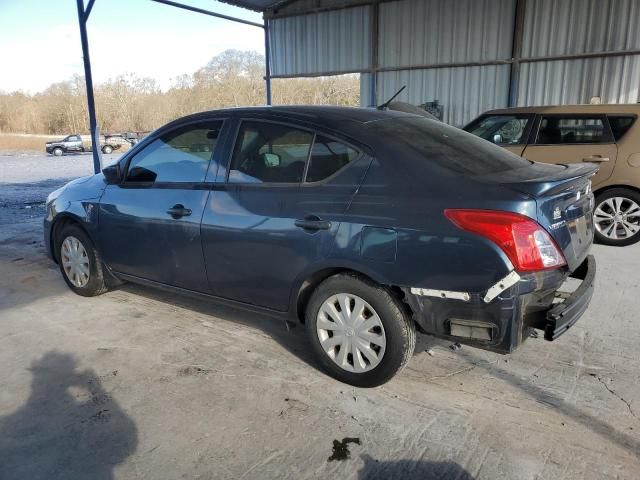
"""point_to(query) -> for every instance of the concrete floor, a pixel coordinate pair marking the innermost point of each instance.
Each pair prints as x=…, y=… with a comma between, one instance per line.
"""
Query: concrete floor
x=141, y=384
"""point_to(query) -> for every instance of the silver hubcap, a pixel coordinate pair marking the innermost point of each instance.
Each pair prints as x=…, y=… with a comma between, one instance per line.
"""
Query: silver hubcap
x=617, y=218
x=351, y=333
x=75, y=261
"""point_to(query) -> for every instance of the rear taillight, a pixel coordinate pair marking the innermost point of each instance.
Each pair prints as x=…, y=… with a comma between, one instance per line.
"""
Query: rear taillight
x=524, y=241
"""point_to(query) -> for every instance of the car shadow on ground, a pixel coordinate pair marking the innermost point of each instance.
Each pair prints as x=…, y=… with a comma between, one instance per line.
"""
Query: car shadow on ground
x=69, y=428
x=285, y=330
x=411, y=470
x=288, y=331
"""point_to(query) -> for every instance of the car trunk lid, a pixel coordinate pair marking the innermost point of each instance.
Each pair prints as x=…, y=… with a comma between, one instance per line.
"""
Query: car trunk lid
x=564, y=203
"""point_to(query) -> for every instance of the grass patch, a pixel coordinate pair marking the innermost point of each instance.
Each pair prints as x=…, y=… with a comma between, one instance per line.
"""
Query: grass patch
x=10, y=141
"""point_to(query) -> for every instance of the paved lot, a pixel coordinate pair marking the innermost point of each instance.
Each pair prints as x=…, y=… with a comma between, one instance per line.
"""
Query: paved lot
x=141, y=384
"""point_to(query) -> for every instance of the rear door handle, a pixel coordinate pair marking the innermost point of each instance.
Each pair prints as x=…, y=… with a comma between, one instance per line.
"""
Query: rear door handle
x=313, y=222
x=179, y=211
x=596, y=159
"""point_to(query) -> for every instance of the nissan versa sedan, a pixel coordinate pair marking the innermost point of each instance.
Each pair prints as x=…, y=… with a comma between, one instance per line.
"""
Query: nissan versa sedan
x=365, y=225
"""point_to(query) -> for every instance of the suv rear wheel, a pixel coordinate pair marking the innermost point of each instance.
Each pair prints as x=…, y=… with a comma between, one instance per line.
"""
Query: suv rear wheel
x=107, y=149
x=617, y=217
x=360, y=332
x=80, y=262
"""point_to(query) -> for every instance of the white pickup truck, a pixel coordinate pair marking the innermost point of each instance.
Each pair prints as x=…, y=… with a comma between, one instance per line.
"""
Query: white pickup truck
x=74, y=144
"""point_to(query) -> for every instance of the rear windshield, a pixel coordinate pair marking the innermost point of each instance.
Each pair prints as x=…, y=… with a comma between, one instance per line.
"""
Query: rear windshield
x=447, y=146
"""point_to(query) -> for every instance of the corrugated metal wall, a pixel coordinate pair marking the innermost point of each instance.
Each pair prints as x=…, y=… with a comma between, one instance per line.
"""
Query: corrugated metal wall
x=338, y=40
x=464, y=92
x=428, y=32
x=419, y=32
x=553, y=27
x=575, y=27
x=615, y=79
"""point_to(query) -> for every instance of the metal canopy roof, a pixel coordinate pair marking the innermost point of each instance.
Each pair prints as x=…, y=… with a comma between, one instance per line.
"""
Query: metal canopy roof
x=258, y=5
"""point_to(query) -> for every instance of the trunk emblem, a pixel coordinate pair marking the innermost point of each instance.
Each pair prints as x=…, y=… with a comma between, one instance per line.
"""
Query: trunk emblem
x=557, y=214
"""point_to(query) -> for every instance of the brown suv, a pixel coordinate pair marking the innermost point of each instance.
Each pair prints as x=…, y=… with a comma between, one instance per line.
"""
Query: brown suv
x=605, y=134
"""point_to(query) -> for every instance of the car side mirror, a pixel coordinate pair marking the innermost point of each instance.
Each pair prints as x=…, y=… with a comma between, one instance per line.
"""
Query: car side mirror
x=112, y=174
x=497, y=139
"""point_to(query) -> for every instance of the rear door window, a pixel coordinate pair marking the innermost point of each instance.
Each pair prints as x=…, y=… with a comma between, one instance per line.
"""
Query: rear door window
x=502, y=129
x=269, y=153
x=556, y=130
x=327, y=157
x=620, y=125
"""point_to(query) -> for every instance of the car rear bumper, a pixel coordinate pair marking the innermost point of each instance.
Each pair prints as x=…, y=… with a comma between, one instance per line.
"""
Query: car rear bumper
x=503, y=323
x=565, y=314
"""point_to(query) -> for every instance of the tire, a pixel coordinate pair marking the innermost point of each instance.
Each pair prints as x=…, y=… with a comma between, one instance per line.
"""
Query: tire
x=622, y=207
x=94, y=284
x=58, y=152
x=397, y=331
x=107, y=149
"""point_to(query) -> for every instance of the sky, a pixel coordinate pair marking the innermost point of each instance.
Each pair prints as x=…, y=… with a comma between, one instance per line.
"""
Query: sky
x=40, y=40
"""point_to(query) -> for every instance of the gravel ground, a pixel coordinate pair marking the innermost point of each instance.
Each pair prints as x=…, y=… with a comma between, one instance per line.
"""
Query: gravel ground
x=27, y=178
x=138, y=383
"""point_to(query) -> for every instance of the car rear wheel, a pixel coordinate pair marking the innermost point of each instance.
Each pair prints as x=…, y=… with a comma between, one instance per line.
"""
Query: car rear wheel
x=80, y=262
x=617, y=217
x=360, y=332
x=58, y=152
x=107, y=149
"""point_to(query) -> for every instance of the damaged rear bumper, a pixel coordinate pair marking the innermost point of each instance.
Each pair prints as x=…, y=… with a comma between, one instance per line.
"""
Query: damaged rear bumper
x=502, y=317
x=565, y=314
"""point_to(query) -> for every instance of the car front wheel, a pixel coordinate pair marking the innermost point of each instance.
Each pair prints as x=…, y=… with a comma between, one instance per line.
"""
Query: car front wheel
x=617, y=217
x=58, y=152
x=107, y=149
x=360, y=332
x=80, y=262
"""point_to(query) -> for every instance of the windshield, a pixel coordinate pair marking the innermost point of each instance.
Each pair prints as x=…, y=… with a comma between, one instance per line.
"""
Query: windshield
x=501, y=129
x=448, y=146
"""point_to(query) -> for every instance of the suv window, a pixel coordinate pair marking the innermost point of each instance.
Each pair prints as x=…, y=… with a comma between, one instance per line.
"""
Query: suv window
x=181, y=155
x=569, y=130
x=327, y=157
x=620, y=125
x=269, y=153
x=502, y=129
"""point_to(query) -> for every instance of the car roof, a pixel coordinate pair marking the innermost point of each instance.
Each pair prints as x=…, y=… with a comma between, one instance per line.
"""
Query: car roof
x=318, y=114
x=630, y=108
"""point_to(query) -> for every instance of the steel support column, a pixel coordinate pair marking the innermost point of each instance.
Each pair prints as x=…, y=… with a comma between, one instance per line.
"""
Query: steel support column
x=83, y=16
x=267, y=60
x=375, y=22
x=516, y=52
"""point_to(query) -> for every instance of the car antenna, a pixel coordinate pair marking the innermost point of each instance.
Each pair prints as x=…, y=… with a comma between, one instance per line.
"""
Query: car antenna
x=386, y=104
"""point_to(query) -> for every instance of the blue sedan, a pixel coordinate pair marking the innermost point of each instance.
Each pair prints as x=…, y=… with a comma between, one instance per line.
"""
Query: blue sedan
x=365, y=225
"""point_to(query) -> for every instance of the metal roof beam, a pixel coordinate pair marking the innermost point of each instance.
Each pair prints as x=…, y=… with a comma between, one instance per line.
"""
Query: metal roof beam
x=208, y=12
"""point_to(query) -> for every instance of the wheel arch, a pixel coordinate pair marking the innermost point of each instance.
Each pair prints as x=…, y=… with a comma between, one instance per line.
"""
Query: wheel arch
x=62, y=220
x=305, y=287
x=606, y=188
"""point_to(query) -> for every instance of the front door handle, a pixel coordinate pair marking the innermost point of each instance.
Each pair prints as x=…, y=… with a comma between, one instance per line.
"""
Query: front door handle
x=178, y=211
x=313, y=222
x=596, y=159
